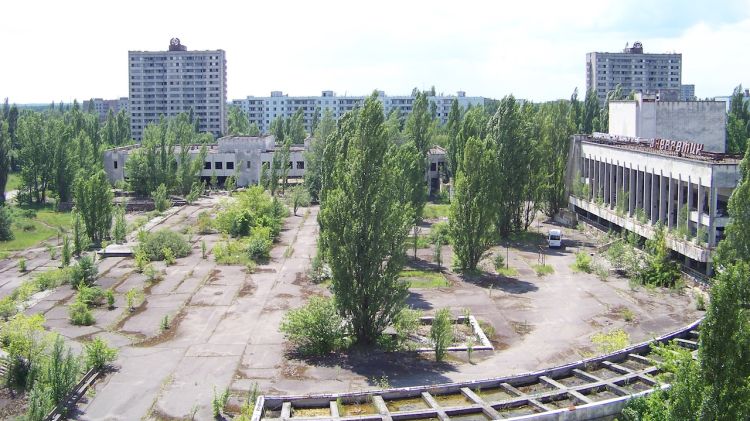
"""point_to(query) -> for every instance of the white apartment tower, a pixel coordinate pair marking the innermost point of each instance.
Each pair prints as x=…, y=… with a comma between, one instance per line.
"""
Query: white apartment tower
x=634, y=70
x=167, y=83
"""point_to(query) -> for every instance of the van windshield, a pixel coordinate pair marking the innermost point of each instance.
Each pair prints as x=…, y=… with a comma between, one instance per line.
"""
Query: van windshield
x=554, y=237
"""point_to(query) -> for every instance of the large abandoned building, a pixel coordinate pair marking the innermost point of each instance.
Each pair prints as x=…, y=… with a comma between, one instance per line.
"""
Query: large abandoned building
x=244, y=157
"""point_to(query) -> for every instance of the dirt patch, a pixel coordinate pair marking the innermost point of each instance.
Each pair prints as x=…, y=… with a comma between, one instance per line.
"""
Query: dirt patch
x=247, y=289
x=12, y=404
x=264, y=270
x=522, y=328
x=166, y=334
x=295, y=371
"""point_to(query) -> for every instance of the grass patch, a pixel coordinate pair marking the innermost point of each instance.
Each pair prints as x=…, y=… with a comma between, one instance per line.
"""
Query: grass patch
x=507, y=272
x=26, y=235
x=62, y=220
x=542, y=270
x=434, y=210
x=611, y=341
x=14, y=182
x=422, y=242
x=423, y=279
x=527, y=238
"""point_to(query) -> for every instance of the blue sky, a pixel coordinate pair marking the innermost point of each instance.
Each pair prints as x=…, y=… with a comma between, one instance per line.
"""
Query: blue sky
x=56, y=50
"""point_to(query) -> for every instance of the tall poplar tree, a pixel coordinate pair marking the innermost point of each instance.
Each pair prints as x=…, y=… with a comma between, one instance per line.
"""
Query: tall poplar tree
x=93, y=197
x=364, y=225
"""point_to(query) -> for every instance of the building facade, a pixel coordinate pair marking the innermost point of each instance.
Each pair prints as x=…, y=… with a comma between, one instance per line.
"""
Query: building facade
x=264, y=110
x=634, y=184
x=703, y=122
x=102, y=106
x=167, y=83
x=245, y=157
x=687, y=92
x=634, y=70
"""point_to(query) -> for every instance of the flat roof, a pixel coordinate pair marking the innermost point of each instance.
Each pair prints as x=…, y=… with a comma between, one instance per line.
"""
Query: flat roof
x=644, y=145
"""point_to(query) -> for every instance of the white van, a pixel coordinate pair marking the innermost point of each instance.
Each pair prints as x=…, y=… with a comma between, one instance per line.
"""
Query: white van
x=554, y=238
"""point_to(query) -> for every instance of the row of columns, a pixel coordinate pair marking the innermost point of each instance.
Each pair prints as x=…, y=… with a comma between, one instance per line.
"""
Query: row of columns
x=661, y=196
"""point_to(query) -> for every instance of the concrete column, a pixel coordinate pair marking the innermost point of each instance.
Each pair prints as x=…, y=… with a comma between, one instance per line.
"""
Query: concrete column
x=647, y=193
x=679, y=201
x=619, y=188
x=631, y=190
x=712, y=199
x=638, y=187
x=670, y=205
x=700, y=205
x=689, y=201
x=607, y=183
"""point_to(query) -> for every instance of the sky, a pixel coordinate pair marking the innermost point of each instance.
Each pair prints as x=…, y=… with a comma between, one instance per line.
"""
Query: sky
x=60, y=50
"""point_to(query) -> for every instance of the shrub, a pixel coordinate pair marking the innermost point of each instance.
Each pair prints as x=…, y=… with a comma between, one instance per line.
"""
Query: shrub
x=205, y=223
x=169, y=258
x=161, y=199
x=499, y=261
x=439, y=230
x=233, y=252
x=315, y=328
x=22, y=265
x=98, y=354
x=441, y=333
x=259, y=244
x=91, y=296
x=406, y=323
x=611, y=341
x=6, y=224
x=110, y=299
x=120, y=229
x=153, y=244
x=203, y=249
x=543, y=270
x=80, y=314
x=700, y=302
x=133, y=298
x=84, y=272
x=219, y=401
x=583, y=262
x=660, y=269
x=195, y=191
x=66, y=252
x=8, y=308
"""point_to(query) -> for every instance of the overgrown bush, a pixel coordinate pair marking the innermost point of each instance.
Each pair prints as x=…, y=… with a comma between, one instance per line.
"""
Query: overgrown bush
x=441, y=333
x=406, y=323
x=232, y=252
x=204, y=224
x=80, y=314
x=583, y=262
x=660, y=269
x=315, y=328
x=84, y=272
x=259, y=244
x=153, y=244
x=251, y=208
x=611, y=341
x=6, y=224
x=120, y=228
x=439, y=230
x=161, y=198
x=91, y=296
x=97, y=354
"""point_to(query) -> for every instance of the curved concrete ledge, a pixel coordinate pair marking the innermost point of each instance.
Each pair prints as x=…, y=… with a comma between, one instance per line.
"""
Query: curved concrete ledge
x=542, y=402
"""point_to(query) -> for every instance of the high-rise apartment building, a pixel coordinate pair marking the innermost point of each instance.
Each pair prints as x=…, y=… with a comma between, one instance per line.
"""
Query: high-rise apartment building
x=167, y=83
x=264, y=110
x=102, y=106
x=634, y=70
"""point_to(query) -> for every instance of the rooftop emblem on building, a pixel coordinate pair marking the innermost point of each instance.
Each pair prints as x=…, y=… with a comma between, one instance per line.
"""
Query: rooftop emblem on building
x=174, y=45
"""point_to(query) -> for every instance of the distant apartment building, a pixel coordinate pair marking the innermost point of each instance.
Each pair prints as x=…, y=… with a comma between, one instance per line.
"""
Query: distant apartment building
x=647, y=116
x=728, y=99
x=264, y=110
x=634, y=70
x=167, y=83
x=687, y=92
x=102, y=106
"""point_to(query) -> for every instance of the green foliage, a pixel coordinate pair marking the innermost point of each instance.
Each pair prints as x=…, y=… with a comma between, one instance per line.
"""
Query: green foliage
x=141, y=259
x=195, y=191
x=441, y=333
x=168, y=254
x=84, y=272
x=543, y=270
x=161, y=198
x=93, y=197
x=437, y=254
x=133, y=298
x=154, y=244
x=315, y=328
x=120, y=229
x=406, y=324
x=110, y=299
x=472, y=209
x=80, y=241
x=80, y=314
x=237, y=122
x=22, y=265
x=362, y=192
x=91, y=296
x=499, y=261
x=25, y=340
x=233, y=252
x=204, y=223
x=299, y=197
x=259, y=244
x=98, y=354
x=611, y=341
x=660, y=269
x=583, y=262
x=230, y=183
x=251, y=208
x=6, y=222
x=203, y=249
x=440, y=231
x=66, y=252
x=60, y=373
x=423, y=279
x=164, y=324
x=314, y=156
x=219, y=402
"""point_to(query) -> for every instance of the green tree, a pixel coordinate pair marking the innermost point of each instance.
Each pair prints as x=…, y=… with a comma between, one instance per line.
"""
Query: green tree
x=120, y=229
x=738, y=122
x=299, y=196
x=36, y=155
x=364, y=225
x=281, y=162
x=5, y=158
x=80, y=242
x=557, y=127
x=61, y=371
x=471, y=212
x=417, y=127
x=409, y=164
x=253, y=130
x=590, y=112
x=296, y=127
x=6, y=223
x=441, y=333
x=314, y=155
x=736, y=243
x=93, y=197
x=453, y=126
x=237, y=122
x=64, y=165
x=98, y=354
x=161, y=198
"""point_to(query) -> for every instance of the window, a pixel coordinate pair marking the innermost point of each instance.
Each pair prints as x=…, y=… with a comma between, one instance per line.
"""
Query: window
x=433, y=166
x=300, y=165
x=230, y=165
x=291, y=164
x=115, y=164
x=248, y=164
x=219, y=165
x=207, y=165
